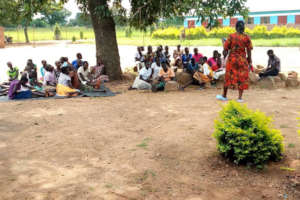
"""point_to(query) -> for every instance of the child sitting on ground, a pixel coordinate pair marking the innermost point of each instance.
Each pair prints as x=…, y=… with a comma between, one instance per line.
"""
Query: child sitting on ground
x=204, y=75
x=165, y=74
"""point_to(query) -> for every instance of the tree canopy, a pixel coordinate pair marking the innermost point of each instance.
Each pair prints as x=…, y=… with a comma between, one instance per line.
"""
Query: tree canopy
x=53, y=16
x=23, y=11
x=144, y=13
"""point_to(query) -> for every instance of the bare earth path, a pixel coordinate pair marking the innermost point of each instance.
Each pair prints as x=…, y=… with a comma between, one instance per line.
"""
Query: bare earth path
x=137, y=145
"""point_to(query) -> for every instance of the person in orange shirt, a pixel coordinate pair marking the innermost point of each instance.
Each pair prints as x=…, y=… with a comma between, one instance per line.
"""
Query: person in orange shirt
x=165, y=74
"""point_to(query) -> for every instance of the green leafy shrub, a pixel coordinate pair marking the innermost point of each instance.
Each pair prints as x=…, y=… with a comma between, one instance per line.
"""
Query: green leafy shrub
x=196, y=33
x=278, y=32
x=221, y=32
x=260, y=32
x=152, y=29
x=247, y=137
x=81, y=35
x=57, y=32
x=73, y=39
x=292, y=32
x=168, y=33
x=128, y=32
x=248, y=31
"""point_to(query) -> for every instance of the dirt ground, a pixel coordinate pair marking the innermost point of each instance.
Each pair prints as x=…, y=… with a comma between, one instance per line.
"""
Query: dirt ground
x=138, y=145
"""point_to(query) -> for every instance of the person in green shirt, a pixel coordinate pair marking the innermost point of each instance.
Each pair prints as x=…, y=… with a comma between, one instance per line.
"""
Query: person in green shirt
x=12, y=72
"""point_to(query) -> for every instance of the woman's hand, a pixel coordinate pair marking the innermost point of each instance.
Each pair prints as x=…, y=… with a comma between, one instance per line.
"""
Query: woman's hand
x=249, y=60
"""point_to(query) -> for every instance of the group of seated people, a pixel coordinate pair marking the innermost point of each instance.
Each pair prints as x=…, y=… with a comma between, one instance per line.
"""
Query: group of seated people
x=65, y=79
x=156, y=69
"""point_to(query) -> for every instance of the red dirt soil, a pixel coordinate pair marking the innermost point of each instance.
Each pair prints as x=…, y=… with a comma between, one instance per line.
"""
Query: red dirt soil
x=138, y=145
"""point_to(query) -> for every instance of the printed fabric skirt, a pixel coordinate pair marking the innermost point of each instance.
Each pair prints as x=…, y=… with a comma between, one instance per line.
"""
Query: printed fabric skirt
x=62, y=90
x=237, y=73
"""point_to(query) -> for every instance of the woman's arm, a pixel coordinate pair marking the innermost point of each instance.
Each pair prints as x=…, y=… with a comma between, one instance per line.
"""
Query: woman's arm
x=70, y=84
x=14, y=91
x=249, y=58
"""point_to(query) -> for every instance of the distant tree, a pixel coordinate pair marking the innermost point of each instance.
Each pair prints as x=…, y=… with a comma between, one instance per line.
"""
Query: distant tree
x=7, y=13
x=81, y=19
x=23, y=11
x=40, y=23
x=54, y=16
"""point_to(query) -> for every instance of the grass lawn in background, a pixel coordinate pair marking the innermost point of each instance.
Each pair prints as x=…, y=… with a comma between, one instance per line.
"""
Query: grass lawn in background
x=137, y=38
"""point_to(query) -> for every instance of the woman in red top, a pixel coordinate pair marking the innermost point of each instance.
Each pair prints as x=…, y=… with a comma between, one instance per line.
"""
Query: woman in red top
x=239, y=46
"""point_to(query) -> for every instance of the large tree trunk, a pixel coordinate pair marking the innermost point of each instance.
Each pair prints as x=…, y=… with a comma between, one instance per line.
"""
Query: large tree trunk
x=106, y=40
x=26, y=34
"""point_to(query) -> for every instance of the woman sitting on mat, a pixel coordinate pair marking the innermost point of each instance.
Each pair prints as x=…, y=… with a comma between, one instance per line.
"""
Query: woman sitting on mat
x=18, y=89
x=87, y=81
x=50, y=79
x=64, y=86
x=98, y=73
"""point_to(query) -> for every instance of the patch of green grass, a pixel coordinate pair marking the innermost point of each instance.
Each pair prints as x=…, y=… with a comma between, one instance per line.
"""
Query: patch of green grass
x=287, y=169
x=146, y=174
x=291, y=145
x=108, y=186
x=144, y=144
x=138, y=38
x=284, y=126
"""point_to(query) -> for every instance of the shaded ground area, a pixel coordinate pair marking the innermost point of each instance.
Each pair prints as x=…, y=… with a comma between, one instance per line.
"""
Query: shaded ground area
x=137, y=145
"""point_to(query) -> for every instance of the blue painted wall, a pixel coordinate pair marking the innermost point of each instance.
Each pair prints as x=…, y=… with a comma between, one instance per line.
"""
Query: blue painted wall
x=273, y=20
x=226, y=22
x=257, y=20
x=185, y=23
x=291, y=19
x=241, y=19
x=198, y=23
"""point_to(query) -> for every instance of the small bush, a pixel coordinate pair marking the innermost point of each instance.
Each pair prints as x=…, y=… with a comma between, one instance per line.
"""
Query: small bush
x=57, y=32
x=221, y=32
x=292, y=32
x=168, y=33
x=196, y=33
x=247, y=137
x=73, y=39
x=260, y=32
x=81, y=35
x=128, y=32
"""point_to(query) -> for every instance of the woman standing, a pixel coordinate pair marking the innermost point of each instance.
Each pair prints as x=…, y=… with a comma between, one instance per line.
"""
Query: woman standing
x=237, y=67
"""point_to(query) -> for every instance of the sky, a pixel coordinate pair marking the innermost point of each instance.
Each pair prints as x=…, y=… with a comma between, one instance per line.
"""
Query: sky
x=254, y=5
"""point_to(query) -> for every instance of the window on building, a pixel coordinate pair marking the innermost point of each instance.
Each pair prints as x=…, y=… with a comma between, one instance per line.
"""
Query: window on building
x=233, y=21
x=265, y=20
x=282, y=20
x=250, y=20
x=297, y=19
x=191, y=23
